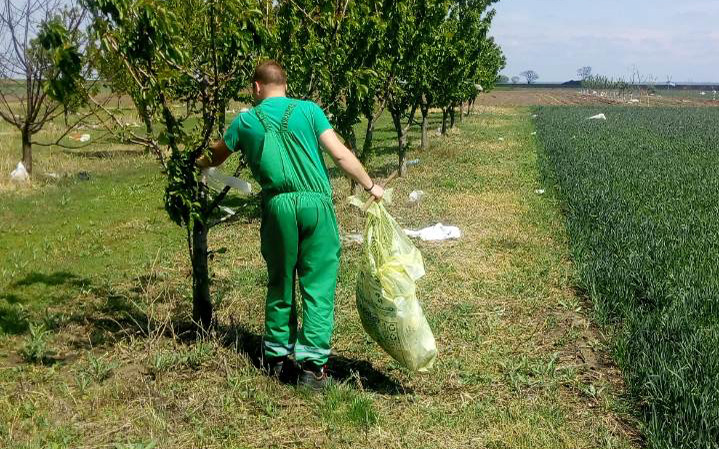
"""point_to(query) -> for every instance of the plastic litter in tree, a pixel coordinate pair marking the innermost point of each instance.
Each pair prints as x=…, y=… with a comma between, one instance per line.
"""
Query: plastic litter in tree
x=218, y=181
x=20, y=174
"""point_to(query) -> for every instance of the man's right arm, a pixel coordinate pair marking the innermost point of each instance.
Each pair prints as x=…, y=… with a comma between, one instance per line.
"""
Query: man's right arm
x=349, y=163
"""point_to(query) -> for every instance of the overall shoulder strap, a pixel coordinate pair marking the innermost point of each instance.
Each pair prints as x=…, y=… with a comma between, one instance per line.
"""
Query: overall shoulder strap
x=263, y=118
x=286, y=118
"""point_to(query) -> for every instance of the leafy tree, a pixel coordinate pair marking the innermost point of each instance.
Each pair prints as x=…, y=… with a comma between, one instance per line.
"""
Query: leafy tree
x=407, y=22
x=492, y=61
x=317, y=44
x=41, y=68
x=515, y=80
x=503, y=79
x=468, y=55
x=530, y=75
x=200, y=52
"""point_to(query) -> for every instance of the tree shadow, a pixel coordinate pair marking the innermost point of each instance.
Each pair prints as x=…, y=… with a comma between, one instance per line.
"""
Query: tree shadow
x=51, y=280
x=341, y=369
x=13, y=321
x=123, y=314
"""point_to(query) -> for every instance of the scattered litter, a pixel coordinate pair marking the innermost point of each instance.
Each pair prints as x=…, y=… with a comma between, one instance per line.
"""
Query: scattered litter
x=80, y=137
x=534, y=116
x=229, y=212
x=634, y=100
x=352, y=239
x=598, y=117
x=435, y=233
x=703, y=93
x=52, y=175
x=83, y=176
x=218, y=181
x=412, y=162
x=534, y=133
x=501, y=139
x=20, y=174
x=415, y=196
x=539, y=191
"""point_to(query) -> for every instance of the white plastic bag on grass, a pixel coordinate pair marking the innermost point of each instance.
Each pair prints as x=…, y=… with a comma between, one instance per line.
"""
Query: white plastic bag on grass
x=386, y=292
x=20, y=174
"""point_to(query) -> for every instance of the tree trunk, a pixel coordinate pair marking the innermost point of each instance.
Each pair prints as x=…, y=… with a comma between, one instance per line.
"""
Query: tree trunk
x=27, y=150
x=451, y=116
x=461, y=112
x=367, y=145
x=425, y=124
x=221, y=119
x=445, y=114
x=402, y=142
x=201, y=302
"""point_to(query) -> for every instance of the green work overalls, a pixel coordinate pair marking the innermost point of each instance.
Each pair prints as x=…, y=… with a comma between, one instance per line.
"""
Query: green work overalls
x=299, y=239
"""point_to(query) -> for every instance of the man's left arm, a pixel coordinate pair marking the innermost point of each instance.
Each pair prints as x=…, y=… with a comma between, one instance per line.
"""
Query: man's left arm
x=219, y=152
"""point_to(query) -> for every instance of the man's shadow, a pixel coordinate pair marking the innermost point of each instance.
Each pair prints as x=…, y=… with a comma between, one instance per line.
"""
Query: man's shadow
x=341, y=369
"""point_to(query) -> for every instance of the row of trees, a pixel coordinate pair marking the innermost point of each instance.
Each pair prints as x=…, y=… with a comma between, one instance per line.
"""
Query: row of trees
x=356, y=58
x=530, y=76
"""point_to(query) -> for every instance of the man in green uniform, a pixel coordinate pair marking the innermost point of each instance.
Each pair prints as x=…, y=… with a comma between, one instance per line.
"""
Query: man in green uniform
x=280, y=139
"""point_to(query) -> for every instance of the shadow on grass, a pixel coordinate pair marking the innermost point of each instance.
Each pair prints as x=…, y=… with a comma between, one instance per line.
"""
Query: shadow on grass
x=51, y=280
x=123, y=314
x=12, y=321
x=341, y=369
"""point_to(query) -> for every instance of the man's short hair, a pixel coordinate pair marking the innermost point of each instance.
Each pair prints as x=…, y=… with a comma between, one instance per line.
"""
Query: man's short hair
x=270, y=72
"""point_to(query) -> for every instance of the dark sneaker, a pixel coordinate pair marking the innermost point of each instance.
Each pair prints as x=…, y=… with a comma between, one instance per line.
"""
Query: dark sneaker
x=276, y=366
x=313, y=377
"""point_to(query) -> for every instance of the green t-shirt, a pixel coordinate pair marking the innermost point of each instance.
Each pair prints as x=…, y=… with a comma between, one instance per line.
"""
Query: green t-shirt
x=307, y=122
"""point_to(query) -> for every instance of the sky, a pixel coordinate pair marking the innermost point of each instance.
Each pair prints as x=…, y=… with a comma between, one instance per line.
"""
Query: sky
x=660, y=37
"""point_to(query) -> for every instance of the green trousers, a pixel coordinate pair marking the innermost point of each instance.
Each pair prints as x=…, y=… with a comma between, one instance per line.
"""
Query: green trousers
x=300, y=240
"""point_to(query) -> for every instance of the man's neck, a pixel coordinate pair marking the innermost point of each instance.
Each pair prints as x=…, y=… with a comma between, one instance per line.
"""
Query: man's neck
x=278, y=94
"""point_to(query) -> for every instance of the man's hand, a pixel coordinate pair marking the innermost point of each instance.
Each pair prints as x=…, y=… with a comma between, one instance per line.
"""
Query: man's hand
x=218, y=154
x=377, y=191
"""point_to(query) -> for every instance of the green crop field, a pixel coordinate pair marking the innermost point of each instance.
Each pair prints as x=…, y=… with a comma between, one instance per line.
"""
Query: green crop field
x=640, y=195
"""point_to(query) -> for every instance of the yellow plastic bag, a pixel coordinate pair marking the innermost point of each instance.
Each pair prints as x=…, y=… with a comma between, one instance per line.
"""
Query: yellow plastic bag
x=386, y=297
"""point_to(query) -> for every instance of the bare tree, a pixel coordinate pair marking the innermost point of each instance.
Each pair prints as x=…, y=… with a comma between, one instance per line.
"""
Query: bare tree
x=584, y=72
x=28, y=69
x=530, y=75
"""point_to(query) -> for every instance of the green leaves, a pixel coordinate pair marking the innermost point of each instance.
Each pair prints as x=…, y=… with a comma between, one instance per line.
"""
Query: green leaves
x=64, y=83
x=196, y=52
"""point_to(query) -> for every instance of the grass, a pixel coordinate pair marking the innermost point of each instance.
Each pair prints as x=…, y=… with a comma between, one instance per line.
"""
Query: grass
x=100, y=266
x=640, y=197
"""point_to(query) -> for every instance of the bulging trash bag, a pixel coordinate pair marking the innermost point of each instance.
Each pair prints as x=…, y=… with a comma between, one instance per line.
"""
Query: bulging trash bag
x=386, y=292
